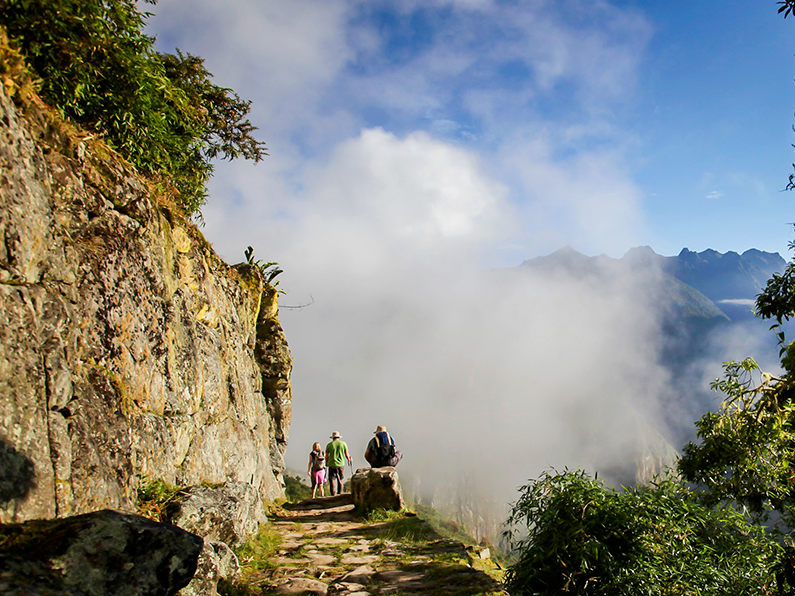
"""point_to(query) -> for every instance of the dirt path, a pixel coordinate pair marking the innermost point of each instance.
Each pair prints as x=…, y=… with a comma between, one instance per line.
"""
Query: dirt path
x=326, y=548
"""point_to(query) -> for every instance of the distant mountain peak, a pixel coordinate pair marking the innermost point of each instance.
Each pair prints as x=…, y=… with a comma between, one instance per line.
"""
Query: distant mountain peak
x=645, y=249
x=729, y=280
x=641, y=255
x=567, y=250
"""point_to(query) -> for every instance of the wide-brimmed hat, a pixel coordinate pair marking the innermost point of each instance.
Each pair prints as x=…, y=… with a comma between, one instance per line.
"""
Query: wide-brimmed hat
x=335, y=435
x=380, y=429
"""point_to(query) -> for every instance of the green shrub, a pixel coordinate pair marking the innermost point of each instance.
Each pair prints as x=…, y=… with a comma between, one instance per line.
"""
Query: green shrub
x=582, y=537
x=160, y=111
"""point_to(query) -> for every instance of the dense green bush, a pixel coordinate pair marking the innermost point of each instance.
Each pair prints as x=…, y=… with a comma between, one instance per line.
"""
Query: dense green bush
x=161, y=112
x=746, y=450
x=574, y=535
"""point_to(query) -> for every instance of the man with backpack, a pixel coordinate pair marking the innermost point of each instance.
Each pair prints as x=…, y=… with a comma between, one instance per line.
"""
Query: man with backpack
x=336, y=454
x=381, y=450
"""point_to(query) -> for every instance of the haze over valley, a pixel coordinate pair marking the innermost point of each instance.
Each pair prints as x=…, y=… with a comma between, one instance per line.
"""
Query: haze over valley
x=487, y=377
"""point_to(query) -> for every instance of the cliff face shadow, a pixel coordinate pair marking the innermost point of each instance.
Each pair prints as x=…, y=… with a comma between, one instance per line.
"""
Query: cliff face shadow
x=17, y=474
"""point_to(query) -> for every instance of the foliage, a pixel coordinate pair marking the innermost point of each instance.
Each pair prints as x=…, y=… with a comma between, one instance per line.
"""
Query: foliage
x=747, y=449
x=585, y=538
x=259, y=549
x=161, y=112
x=777, y=301
x=379, y=516
x=154, y=496
x=787, y=7
x=295, y=490
x=268, y=270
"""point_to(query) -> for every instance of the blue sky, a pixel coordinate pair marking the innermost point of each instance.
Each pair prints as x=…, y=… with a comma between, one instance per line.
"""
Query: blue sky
x=679, y=113
x=415, y=143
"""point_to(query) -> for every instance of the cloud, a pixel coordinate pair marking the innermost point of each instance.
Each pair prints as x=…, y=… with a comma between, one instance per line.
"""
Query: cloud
x=493, y=64
x=739, y=302
x=587, y=199
x=381, y=203
x=472, y=370
x=282, y=55
x=480, y=375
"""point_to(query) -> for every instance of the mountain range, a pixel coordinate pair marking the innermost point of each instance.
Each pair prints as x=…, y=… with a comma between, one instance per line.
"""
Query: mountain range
x=704, y=284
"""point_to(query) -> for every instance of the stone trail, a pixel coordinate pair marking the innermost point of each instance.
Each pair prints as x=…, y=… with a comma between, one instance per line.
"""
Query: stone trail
x=327, y=548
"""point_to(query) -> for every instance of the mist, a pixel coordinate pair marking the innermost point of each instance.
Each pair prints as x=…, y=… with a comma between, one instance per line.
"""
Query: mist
x=484, y=376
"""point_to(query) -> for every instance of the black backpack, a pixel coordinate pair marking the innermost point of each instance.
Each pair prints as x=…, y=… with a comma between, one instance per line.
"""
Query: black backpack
x=384, y=447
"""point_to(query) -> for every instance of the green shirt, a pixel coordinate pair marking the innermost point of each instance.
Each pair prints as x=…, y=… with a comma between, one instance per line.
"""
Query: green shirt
x=335, y=453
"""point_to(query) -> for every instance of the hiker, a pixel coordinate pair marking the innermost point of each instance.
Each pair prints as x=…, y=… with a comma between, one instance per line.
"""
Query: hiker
x=317, y=469
x=336, y=454
x=381, y=450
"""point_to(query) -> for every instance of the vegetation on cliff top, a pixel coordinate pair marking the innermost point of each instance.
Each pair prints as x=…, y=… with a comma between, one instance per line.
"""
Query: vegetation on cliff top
x=161, y=112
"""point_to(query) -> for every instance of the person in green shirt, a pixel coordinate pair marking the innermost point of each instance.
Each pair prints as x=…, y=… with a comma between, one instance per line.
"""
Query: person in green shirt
x=336, y=454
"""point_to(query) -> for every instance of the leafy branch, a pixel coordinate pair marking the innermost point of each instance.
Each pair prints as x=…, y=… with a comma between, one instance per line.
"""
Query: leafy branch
x=161, y=112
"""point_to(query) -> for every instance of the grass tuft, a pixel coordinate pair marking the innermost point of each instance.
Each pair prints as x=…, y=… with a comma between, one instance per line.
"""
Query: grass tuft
x=154, y=496
x=256, y=554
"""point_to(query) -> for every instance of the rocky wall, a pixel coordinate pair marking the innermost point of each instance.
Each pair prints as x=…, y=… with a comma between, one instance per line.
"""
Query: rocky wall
x=128, y=350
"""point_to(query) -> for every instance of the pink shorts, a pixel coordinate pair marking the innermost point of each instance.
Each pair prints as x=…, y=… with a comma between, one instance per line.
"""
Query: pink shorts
x=318, y=477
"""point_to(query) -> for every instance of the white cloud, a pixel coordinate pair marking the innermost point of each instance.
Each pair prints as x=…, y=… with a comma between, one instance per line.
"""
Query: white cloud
x=281, y=55
x=467, y=5
x=587, y=199
x=750, y=303
x=402, y=200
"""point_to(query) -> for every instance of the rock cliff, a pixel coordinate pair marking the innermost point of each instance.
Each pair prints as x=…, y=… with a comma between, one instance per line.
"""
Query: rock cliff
x=128, y=349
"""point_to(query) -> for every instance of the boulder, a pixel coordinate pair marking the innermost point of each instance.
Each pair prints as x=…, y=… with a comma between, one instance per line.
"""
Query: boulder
x=217, y=562
x=377, y=488
x=228, y=564
x=104, y=552
x=225, y=513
